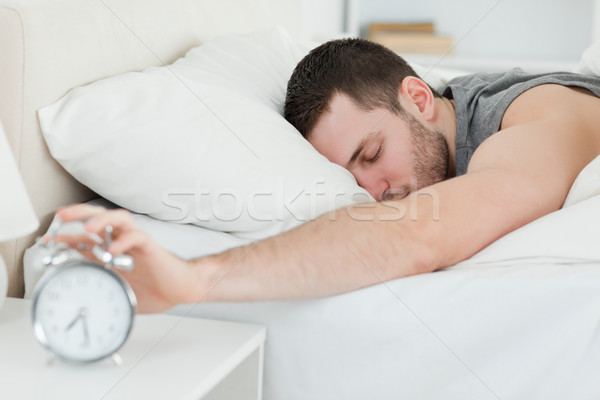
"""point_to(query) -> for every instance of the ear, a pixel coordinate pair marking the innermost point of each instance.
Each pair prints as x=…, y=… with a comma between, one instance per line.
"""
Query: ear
x=418, y=97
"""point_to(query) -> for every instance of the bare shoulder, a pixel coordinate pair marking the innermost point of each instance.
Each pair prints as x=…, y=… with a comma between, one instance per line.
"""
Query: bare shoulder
x=547, y=136
x=551, y=101
x=517, y=175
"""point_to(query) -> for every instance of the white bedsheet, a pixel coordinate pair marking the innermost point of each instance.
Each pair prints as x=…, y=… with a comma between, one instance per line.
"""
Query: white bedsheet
x=519, y=320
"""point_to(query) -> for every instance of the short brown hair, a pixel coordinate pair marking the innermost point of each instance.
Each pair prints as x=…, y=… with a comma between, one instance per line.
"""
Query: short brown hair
x=367, y=72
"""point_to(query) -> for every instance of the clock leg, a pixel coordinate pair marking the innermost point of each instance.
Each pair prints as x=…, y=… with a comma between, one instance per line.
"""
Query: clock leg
x=117, y=359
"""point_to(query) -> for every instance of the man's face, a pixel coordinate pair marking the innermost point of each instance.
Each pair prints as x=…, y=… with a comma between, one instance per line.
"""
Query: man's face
x=388, y=156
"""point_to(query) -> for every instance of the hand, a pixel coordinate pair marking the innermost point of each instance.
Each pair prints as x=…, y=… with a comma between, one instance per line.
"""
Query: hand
x=159, y=279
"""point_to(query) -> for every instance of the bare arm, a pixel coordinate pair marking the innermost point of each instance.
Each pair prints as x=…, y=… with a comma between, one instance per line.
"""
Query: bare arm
x=328, y=257
x=518, y=175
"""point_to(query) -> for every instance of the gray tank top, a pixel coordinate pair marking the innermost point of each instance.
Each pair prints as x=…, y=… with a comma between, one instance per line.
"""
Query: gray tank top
x=481, y=100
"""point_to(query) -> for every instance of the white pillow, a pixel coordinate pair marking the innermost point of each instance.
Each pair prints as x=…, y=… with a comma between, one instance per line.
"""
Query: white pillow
x=201, y=141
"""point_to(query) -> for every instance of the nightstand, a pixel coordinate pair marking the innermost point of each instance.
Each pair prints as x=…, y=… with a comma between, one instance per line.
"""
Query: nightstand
x=165, y=357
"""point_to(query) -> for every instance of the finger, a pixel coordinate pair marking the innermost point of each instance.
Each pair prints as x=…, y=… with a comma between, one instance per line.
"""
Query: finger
x=79, y=212
x=82, y=243
x=72, y=240
x=121, y=221
x=128, y=241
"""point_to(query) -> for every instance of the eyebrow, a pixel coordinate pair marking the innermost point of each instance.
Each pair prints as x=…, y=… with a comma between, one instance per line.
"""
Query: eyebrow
x=359, y=148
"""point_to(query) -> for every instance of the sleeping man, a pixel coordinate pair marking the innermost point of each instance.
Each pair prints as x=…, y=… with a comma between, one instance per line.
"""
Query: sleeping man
x=487, y=156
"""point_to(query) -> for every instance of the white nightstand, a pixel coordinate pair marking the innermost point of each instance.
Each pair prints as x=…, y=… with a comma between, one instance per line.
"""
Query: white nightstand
x=166, y=357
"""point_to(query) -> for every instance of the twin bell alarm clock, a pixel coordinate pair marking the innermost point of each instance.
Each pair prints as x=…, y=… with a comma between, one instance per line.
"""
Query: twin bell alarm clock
x=82, y=310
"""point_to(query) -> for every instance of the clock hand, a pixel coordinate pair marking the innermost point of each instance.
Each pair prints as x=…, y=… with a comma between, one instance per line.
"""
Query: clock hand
x=86, y=333
x=82, y=314
x=77, y=318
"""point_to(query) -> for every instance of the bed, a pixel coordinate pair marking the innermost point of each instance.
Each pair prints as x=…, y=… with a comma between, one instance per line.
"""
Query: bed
x=519, y=320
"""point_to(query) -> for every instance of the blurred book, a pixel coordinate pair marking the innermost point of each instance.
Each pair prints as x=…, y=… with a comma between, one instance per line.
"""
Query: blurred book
x=412, y=27
x=415, y=38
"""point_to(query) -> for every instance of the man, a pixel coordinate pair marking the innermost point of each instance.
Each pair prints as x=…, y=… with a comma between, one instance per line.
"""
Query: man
x=494, y=153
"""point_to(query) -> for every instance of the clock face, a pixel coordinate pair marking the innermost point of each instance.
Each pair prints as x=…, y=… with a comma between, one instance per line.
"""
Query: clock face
x=82, y=311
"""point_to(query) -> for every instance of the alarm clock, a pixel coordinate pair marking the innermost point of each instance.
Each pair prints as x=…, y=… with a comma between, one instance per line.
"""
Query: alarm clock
x=82, y=310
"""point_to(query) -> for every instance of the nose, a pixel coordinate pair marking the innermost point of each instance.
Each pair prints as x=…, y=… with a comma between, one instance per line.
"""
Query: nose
x=375, y=185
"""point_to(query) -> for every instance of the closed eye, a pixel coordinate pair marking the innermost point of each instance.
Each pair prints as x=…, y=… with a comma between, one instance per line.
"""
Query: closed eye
x=376, y=155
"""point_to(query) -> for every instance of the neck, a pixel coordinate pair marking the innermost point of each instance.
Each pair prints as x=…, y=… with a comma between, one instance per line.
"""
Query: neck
x=445, y=123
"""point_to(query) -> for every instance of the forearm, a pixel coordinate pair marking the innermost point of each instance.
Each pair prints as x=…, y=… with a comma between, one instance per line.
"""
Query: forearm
x=430, y=229
x=342, y=251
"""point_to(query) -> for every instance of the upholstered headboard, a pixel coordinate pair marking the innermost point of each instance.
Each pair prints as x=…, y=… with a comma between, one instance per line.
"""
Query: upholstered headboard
x=50, y=46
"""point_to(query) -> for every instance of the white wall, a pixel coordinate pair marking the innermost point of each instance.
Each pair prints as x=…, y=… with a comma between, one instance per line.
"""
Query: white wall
x=596, y=27
x=328, y=19
x=554, y=30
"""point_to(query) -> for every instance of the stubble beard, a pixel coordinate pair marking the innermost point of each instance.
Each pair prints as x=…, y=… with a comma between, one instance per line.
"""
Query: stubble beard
x=430, y=152
x=431, y=158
